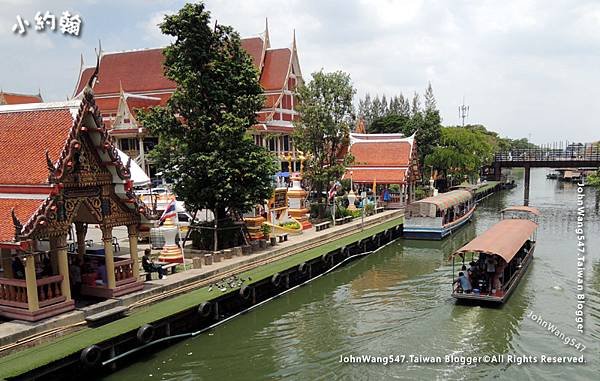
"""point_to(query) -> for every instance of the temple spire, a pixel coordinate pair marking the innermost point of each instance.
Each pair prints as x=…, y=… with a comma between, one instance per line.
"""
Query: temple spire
x=266, y=34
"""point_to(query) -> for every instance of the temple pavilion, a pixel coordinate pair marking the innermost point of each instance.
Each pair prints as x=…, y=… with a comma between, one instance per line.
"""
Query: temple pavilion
x=59, y=169
x=385, y=159
x=132, y=80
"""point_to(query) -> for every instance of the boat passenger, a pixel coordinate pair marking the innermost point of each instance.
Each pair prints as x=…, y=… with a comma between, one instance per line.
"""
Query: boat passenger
x=463, y=283
x=473, y=273
x=491, y=271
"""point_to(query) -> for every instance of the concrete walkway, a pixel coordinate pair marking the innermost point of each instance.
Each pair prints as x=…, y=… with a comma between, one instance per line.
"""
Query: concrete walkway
x=158, y=290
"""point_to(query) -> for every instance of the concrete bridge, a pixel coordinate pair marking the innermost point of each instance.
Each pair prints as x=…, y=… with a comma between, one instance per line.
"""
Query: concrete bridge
x=549, y=156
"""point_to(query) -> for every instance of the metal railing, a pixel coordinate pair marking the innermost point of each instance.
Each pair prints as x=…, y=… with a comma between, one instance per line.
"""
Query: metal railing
x=580, y=153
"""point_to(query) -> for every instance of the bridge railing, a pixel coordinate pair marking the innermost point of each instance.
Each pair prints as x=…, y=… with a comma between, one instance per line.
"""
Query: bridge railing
x=583, y=153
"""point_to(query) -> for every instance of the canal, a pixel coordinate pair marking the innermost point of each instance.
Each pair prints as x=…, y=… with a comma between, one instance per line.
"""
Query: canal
x=397, y=302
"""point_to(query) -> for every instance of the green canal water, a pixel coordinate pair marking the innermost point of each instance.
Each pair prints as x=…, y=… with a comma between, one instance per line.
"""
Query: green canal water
x=397, y=302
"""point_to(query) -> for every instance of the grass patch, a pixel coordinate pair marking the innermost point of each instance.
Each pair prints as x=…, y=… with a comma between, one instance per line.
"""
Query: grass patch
x=32, y=358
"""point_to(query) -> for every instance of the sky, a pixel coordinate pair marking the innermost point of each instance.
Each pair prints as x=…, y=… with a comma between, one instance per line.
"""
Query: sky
x=525, y=68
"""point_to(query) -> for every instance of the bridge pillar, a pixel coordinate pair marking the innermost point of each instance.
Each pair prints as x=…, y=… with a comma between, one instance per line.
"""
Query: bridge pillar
x=526, y=186
x=497, y=171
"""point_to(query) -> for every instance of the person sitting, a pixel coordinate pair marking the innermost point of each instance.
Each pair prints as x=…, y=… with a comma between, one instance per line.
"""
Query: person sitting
x=101, y=276
x=463, y=283
x=150, y=267
x=17, y=268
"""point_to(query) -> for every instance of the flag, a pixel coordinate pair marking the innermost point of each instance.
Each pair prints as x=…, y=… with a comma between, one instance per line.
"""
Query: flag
x=333, y=189
x=170, y=211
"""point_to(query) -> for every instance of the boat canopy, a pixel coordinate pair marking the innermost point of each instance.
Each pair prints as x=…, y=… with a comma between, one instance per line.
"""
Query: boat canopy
x=503, y=239
x=428, y=206
x=527, y=209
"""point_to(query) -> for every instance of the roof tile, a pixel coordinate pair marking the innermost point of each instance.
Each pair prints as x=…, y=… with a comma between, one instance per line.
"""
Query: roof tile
x=24, y=138
x=24, y=209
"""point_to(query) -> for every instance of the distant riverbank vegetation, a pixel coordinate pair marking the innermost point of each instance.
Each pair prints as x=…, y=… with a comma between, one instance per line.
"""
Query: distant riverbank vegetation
x=451, y=151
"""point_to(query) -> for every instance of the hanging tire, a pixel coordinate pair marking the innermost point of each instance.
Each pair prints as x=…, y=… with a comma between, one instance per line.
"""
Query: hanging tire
x=328, y=259
x=276, y=279
x=205, y=309
x=91, y=356
x=245, y=292
x=303, y=268
x=145, y=334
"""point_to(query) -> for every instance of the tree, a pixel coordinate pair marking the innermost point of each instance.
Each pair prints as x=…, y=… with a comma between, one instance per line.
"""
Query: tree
x=428, y=136
x=326, y=114
x=390, y=124
x=204, y=145
x=462, y=152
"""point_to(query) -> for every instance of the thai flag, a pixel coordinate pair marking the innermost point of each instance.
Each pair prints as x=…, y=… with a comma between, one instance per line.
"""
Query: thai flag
x=169, y=211
x=333, y=189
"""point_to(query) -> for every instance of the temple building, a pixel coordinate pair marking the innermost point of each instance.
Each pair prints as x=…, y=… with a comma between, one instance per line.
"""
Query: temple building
x=58, y=169
x=16, y=99
x=385, y=159
x=131, y=80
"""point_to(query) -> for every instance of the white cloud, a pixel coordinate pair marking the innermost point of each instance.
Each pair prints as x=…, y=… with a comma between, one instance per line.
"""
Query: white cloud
x=151, y=31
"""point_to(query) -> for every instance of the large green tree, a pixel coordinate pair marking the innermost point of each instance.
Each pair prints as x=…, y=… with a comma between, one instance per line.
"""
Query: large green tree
x=462, y=152
x=326, y=114
x=204, y=145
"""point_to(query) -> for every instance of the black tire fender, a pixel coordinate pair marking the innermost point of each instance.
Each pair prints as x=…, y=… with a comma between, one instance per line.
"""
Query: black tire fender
x=91, y=356
x=303, y=268
x=327, y=258
x=145, y=333
x=205, y=309
x=245, y=291
x=276, y=279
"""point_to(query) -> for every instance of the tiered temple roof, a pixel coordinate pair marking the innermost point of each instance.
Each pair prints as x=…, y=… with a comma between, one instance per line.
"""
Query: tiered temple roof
x=384, y=158
x=46, y=145
x=140, y=72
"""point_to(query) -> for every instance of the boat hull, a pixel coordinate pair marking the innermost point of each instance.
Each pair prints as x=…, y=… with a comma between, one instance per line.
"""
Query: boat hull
x=499, y=298
x=436, y=233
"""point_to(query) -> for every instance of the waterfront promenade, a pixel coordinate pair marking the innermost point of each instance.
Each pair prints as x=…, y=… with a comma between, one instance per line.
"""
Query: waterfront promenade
x=68, y=333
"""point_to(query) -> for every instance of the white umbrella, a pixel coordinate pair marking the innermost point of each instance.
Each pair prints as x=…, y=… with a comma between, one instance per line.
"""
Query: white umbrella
x=138, y=175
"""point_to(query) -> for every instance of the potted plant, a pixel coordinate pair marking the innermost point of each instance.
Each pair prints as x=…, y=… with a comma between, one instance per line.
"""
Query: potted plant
x=266, y=230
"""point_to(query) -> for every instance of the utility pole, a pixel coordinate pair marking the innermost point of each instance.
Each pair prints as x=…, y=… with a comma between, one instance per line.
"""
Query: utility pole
x=463, y=112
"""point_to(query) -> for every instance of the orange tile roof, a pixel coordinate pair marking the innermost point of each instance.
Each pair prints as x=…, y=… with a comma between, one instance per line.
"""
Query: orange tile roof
x=275, y=71
x=254, y=46
x=378, y=153
x=24, y=209
x=381, y=176
x=107, y=105
x=15, y=99
x=134, y=103
x=84, y=78
x=24, y=138
x=123, y=69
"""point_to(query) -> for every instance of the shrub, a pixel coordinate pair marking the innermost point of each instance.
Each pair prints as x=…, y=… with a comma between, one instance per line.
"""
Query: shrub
x=290, y=225
x=266, y=229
